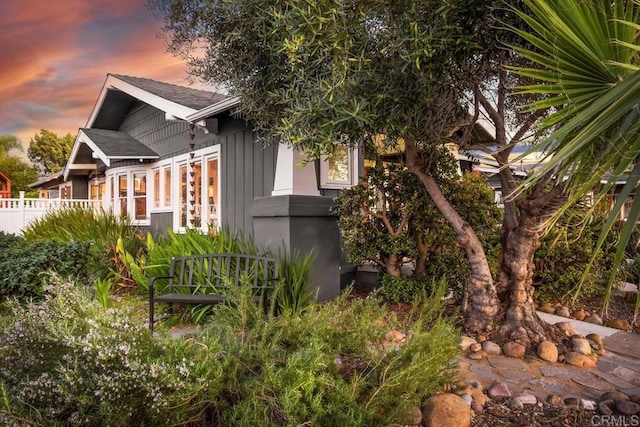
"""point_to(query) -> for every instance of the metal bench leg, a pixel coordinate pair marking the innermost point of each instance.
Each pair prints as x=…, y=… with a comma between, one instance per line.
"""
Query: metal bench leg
x=151, y=315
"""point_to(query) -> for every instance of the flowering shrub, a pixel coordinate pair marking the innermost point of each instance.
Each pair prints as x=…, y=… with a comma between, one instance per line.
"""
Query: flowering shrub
x=67, y=360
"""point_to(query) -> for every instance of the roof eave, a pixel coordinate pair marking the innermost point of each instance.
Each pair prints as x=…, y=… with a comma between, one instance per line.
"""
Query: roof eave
x=213, y=109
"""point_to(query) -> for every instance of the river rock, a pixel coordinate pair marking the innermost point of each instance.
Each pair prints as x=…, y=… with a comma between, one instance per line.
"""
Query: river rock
x=581, y=345
x=526, y=399
x=588, y=404
x=571, y=401
x=579, y=359
x=606, y=407
x=563, y=311
x=491, y=348
x=479, y=355
x=618, y=324
x=567, y=328
x=596, y=339
x=475, y=347
x=614, y=395
x=594, y=318
x=627, y=407
x=579, y=314
x=446, y=410
x=514, y=349
x=547, y=308
x=514, y=403
x=555, y=400
x=548, y=351
x=498, y=390
x=465, y=343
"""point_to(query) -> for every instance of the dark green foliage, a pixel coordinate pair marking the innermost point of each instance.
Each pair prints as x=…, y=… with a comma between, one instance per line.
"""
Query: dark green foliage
x=404, y=288
x=24, y=266
x=565, y=252
x=67, y=361
x=101, y=228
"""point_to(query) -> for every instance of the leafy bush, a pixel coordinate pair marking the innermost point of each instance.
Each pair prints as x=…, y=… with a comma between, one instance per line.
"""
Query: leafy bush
x=565, y=252
x=403, y=288
x=68, y=361
x=24, y=265
x=101, y=228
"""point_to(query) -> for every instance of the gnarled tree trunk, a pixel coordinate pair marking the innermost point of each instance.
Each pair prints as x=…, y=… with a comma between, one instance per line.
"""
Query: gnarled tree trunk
x=483, y=301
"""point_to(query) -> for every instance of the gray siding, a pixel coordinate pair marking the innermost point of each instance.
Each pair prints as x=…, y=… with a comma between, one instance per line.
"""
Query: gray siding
x=248, y=171
x=79, y=187
x=147, y=124
x=247, y=167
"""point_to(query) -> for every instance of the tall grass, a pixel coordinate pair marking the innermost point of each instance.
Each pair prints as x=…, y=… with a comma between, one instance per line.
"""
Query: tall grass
x=101, y=228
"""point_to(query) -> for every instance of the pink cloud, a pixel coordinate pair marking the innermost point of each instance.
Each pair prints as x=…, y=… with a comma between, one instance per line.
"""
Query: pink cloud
x=55, y=58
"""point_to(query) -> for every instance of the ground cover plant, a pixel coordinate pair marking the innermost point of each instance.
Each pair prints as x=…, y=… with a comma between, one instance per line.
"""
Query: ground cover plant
x=68, y=361
x=24, y=266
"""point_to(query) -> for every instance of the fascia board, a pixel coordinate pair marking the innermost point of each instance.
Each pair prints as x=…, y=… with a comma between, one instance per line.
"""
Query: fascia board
x=170, y=107
x=72, y=156
x=213, y=109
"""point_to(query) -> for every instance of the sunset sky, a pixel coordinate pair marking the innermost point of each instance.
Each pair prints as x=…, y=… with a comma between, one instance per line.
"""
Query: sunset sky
x=55, y=55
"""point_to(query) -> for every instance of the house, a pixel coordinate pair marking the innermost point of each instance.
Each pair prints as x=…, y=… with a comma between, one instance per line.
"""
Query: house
x=176, y=157
x=52, y=187
x=5, y=186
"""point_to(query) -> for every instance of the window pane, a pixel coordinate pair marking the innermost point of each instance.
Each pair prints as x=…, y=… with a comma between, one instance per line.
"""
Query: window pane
x=140, y=195
x=167, y=187
x=122, y=194
x=339, y=164
x=212, y=193
x=197, y=177
x=183, y=196
x=156, y=189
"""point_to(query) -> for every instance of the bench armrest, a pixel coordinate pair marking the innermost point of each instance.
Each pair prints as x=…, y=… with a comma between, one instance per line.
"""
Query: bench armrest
x=152, y=282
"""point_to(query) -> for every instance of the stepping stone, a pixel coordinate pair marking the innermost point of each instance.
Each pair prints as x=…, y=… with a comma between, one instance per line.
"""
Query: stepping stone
x=596, y=384
x=507, y=363
x=624, y=343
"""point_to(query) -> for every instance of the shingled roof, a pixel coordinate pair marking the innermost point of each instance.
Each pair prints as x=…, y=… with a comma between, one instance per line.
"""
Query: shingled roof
x=118, y=145
x=189, y=97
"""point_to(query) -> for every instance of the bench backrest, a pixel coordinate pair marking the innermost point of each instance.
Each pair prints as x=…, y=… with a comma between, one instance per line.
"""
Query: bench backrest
x=207, y=273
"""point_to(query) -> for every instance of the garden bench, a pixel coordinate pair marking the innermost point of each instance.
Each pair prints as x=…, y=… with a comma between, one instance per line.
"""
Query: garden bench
x=206, y=279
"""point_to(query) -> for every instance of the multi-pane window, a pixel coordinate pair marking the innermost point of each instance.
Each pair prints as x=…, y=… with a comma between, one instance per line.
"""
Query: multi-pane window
x=340, y=169
x=212, y=193
x=167, y=186
x=156, y=188
x=182, y=172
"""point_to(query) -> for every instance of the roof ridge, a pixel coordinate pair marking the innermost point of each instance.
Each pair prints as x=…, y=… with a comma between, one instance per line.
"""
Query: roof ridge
x=127, y=78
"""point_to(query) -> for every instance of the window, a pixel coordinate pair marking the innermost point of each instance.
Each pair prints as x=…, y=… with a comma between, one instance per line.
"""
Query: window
x=182, y=172
x=340, y=169
x=212, y=202
x=96, y=190
x=167, y=186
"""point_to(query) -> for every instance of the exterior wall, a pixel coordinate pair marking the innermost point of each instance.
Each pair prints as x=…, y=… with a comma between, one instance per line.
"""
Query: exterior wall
x=247, y=168
x=79, y=188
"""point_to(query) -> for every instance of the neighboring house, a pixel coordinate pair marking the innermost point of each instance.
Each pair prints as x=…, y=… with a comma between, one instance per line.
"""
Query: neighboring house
x=5, y=186
x=175, y=157
x=52, y=187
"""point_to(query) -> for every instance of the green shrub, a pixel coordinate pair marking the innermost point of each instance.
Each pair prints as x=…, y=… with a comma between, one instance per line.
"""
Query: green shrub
x=294, y=294
x=403, y=288
x=67, y=361
x=24, y=266
x=101, y=228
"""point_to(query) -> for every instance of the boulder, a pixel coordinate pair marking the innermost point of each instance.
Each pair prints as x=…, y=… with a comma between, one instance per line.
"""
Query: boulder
x=446, y=410
x=514, y=349
x=548, y=351
x=579, y=359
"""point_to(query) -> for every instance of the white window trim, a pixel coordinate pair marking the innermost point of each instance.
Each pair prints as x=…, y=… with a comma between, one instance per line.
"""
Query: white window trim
x=161, y=167
x=129, y=172
x=326, y=183
x=202, y=155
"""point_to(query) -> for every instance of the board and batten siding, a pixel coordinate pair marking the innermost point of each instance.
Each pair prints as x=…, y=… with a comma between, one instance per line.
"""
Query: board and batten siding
x=247, y=167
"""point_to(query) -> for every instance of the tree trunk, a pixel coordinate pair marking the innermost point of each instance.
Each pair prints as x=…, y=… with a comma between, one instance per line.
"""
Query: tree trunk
x=521, y=323
x=483, y=305
x=423, y=255
x=392, y=265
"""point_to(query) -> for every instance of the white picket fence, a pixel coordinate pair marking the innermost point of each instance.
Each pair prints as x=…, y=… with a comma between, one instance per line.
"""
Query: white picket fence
x=16, y=214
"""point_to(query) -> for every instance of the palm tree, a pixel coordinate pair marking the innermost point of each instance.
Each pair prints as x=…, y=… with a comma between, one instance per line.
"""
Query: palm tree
x=587, y=60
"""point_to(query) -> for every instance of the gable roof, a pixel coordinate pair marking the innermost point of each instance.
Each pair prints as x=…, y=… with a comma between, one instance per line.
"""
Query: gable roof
x=120, y=93
x=108, y=145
